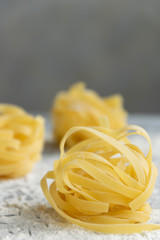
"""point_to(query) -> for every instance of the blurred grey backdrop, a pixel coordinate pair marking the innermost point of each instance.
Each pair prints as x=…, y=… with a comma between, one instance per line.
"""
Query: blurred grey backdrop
x=113, y=46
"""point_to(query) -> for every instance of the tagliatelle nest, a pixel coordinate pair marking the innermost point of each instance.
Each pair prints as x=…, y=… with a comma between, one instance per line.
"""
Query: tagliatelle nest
x=21, y=140
x=103, y=183
x=82, y=107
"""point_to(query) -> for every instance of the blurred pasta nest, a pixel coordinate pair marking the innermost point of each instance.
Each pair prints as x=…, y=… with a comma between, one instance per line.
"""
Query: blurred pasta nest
x=103, y=183
x=21, y=140
x=82, y=107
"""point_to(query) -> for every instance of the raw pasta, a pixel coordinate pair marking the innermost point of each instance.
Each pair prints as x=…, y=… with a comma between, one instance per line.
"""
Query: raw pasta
x=82, y=107
x=103, y=183
x=21, y=140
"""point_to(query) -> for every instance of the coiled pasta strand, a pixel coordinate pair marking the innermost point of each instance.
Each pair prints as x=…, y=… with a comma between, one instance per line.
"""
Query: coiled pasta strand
x=103, y=183
x=83, y=107
x=21, y=140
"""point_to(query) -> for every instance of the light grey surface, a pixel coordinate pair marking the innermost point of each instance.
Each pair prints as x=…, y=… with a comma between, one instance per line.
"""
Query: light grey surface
x=26, y=215
x=113, y=45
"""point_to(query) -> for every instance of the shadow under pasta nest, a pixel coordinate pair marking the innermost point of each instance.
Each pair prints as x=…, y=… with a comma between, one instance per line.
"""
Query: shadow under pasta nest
x=50, y=147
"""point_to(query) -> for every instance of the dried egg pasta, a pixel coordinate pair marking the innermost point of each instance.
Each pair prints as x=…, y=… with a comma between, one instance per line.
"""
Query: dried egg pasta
x=103, y=183
x=21, y=140
x=82, y=107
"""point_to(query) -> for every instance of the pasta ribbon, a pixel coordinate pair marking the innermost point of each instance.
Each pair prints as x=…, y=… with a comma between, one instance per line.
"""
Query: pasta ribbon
x=21, y=141
x=103, y=183
x=82, y=107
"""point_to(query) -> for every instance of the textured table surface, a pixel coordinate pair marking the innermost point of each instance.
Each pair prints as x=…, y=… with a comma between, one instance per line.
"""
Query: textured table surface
x=26, y=215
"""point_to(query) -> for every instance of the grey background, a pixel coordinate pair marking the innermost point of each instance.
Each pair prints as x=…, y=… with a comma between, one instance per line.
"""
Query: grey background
x=112, y=45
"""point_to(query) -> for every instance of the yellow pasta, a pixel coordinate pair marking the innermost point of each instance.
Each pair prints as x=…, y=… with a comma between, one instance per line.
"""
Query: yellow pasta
x=21, y=141
x=82, y=107
x=103, y=183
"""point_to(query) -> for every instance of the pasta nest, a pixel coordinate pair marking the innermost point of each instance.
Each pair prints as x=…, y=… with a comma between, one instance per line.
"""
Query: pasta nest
x=103, y=183
x=21, y=140
x=82, y=107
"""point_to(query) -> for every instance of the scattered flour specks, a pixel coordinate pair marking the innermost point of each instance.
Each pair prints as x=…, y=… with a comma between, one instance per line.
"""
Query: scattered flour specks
x=26, y=215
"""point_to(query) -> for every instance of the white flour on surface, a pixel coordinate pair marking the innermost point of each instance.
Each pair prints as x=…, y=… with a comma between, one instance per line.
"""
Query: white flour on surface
x=25, y=214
